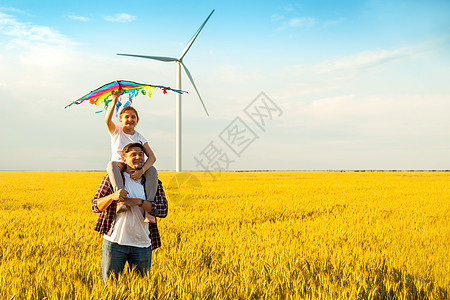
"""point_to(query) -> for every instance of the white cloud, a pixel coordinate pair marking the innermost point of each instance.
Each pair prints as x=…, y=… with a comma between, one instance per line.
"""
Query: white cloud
x=331, y=23
x=46, y=56
x=365, y=60
x=233, y=73
x=79, y=18
x=370, y=117
x=341, y=114
x=368, y=132
x=367, y=72
x=292, y=7
x=290, y=19
x=33, y=45
x=22, y=33
x=302, y=22
x=13, y=10
x=123, y=18
x=276, y=17
x=295, y=23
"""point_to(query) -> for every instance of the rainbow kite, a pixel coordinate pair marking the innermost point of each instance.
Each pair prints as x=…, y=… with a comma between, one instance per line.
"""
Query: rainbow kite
x=130, y=88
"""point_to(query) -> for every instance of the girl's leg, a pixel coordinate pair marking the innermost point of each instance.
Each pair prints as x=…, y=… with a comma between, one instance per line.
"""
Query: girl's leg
x=114, y=170
x=151, y=184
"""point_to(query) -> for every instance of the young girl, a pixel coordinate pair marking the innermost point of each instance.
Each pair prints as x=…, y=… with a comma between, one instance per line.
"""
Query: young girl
x=120, y=137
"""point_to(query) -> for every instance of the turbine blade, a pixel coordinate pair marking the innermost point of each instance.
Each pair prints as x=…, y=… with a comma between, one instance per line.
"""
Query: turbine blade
x=161, y=58
x=195, y=88
x=188, y=46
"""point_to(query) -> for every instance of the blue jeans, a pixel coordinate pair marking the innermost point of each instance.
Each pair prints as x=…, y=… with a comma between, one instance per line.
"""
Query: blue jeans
x=114, y=257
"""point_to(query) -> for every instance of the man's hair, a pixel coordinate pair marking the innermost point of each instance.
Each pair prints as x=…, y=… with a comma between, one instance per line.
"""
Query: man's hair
x=128, y=147
x=127, y=108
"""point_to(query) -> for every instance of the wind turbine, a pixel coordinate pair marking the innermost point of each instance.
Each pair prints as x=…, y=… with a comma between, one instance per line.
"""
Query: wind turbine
x=179, y=62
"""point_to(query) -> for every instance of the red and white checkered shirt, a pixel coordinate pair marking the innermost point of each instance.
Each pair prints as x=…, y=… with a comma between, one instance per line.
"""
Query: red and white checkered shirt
x=105, y=220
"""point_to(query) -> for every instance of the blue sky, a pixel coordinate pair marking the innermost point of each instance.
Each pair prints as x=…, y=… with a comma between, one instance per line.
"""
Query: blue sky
x=359, y=84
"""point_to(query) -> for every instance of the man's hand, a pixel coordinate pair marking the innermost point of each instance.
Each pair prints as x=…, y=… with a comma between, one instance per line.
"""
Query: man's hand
x=129, y=201
x=120, y=195
x=136, y=174
x=106, y=201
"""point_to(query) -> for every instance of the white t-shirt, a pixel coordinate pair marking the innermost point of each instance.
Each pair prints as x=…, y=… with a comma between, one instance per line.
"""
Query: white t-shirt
x=120, y=139
x=129, y=226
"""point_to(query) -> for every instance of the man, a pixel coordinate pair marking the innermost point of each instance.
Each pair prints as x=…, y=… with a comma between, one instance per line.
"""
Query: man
x=126, y=237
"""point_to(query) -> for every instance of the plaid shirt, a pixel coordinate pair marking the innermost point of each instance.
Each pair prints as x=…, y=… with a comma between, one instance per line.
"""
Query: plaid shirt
x=106, y=219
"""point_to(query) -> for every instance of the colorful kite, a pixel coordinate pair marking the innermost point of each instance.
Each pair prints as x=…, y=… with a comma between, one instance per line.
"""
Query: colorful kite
x=130, y=88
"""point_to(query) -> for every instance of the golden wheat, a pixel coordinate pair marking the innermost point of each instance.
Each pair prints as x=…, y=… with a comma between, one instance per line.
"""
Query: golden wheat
x=274, y=235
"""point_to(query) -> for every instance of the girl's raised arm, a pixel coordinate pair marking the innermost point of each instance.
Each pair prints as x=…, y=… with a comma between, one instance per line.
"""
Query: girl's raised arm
x=108, y=118
x=151, y=158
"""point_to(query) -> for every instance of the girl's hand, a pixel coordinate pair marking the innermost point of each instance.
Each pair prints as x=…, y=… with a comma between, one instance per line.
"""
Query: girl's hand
x=116, y=94
x=119, y=195
x=136, y=174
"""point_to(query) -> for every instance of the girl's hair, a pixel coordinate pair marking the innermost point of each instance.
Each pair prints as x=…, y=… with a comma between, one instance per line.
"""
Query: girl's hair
x=125, y=109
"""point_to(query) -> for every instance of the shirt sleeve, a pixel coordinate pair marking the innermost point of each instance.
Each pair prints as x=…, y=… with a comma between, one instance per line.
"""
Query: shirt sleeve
x=160, y=205
x=103, y=190
x=142, y=139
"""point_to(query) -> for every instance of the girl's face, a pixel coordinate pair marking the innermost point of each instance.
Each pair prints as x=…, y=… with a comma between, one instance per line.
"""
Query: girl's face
x=128, y=120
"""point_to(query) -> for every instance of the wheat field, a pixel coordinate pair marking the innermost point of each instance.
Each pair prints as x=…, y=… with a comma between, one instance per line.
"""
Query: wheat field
x=237, y=235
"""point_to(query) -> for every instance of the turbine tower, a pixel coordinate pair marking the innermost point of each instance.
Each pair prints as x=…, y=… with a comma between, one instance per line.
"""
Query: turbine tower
x=179, y=62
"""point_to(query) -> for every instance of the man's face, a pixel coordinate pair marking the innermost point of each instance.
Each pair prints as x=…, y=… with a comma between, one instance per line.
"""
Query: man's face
x=134, y=158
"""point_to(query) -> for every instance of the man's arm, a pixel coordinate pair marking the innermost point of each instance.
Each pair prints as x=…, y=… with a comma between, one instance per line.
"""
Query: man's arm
x=146, y=205
x=104, y=196
x=104, y=202
x=158, y=207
